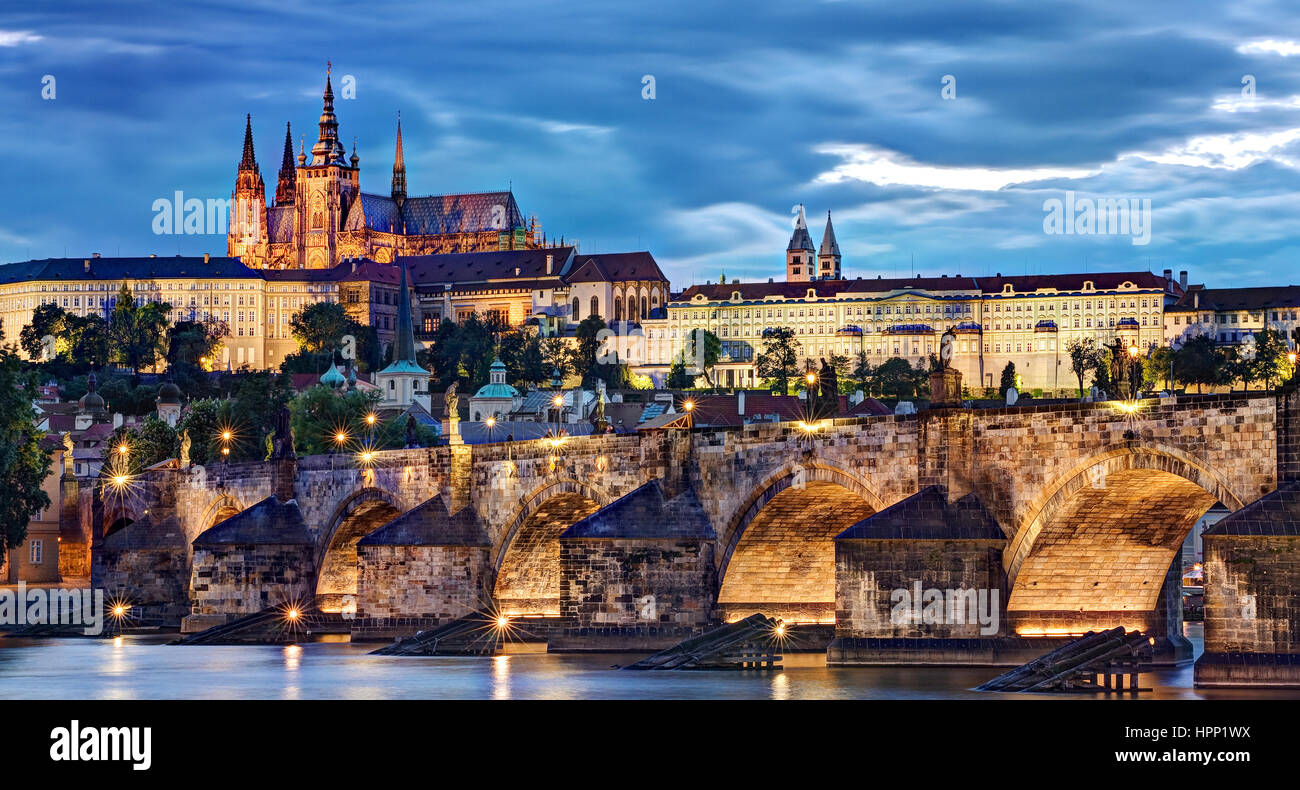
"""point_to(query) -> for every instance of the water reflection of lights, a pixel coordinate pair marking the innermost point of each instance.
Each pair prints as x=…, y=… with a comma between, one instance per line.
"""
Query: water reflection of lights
x=292, y=656
x=781, y=686
x=501, y=677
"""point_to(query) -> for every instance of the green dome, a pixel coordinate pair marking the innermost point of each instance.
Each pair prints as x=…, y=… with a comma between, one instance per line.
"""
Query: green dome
x=332, y=377
x=497, y=391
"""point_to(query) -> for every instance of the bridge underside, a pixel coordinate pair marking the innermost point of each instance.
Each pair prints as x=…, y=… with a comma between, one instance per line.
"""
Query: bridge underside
x=784, y=563
x=528, y=581
x=339, y=569
x=1101, y=559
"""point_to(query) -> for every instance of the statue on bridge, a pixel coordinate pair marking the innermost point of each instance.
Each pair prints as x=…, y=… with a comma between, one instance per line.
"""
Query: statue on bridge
x=68, y=461
x=451, y=403
x=411, y=440
x=185, y=449
x=282, y=443
x=598, y=419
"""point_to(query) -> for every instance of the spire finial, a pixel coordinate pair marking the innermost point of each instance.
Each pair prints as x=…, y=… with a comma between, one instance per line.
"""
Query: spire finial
x=249, y=161
x=399, y=166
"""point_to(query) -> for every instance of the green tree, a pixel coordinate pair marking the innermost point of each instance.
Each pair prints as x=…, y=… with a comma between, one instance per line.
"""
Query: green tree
x=195, y=345
x=1270, y=363
x=1160, y=367
x=23, y=464
x=1084, y=356
x=1008, y=380
x=894, y=378
x=703, y=349
x=152, y=442
x=1199, y=362
x=47, y=321
x=860, y=374
x=678, y=378
x=778, y=359
x=137, y=333
x=556, y=355
x=320, y=327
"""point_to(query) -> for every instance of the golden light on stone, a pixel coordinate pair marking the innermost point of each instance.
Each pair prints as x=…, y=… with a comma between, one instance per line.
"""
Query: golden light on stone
x=1127, y=407
x=602, y=463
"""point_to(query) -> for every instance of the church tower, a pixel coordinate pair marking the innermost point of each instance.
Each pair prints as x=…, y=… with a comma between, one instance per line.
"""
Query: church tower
x=246, y=234
x=399, y=168
x=285, y=186
x=800, y=254
x=828, y=257
x=325, y=189
x=404, y=382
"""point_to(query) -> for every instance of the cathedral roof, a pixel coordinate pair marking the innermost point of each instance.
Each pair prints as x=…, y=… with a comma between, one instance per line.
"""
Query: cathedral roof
x=279, y=221
x=829, y=245
x=434, y=214
x=800, y=240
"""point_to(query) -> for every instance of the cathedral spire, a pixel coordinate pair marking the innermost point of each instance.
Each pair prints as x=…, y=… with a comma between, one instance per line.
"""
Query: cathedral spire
x=399, y=167
x=285, y=187
x=828, y=257
x=249, y=162
x=328, y=150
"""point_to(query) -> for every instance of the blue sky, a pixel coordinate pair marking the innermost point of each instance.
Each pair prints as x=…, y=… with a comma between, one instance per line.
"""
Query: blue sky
x=758, y=106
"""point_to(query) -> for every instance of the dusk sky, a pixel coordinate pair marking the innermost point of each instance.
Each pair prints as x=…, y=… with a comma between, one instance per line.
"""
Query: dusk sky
x=758, y=106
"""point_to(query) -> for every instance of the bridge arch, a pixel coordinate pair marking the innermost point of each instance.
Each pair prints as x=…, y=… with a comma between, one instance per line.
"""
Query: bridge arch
x=1096, y=547
x=222, y=507
x=526, y=559
x=779, y=555
x=361, y=513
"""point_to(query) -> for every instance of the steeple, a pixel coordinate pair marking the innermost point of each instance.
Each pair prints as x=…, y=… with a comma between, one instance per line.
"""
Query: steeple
x=285, y=187
x=405, y=337
x=399, y=167
x=800, y=254
x=249, y=162
x=828, y=257
x=328, y=150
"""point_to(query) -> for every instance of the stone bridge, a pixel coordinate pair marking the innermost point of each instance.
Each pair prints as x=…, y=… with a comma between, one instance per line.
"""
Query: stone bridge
x=1073, y=514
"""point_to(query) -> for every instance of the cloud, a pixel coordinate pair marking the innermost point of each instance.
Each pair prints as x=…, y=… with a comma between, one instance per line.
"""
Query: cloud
x=871, y=164
x=13, y=38
x=1270, y=47
x=1232, y=151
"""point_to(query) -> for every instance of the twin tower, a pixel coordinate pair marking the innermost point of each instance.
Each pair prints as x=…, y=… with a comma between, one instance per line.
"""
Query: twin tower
x=803, y=262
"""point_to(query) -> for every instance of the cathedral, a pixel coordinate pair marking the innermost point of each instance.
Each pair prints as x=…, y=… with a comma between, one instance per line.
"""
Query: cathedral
x=320, y=215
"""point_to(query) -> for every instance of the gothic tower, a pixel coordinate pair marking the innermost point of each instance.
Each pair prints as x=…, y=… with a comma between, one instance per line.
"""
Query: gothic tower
x=246, y=235
x=828, y=257
x=326, y=187
x=800, y=254
x=285, y=187
x=399, y=168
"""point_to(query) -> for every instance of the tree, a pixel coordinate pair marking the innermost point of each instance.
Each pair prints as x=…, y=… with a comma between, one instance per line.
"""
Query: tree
x=860, y=374
x=703, y=349
x=1101, y=371
x=137, y=332
x=1270, y=363
x=195, y=345
x=1008, y=380
x=320, y=327
x=47, y=321
x=153, y=442
x=678, y=378
x=556, y=355
x=522, y=356
x=1160, y=367
x=591, y=357
x=778, y=360
x=894, y=378
x=1084, y=357
x=1199, y=362
x=23, y=464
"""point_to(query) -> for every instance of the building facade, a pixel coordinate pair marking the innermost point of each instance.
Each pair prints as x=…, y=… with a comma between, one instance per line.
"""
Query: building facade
x=1029, y=321
x=1229, y=315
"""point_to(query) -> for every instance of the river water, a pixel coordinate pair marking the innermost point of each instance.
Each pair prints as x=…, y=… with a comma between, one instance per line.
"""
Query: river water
x=145, y=667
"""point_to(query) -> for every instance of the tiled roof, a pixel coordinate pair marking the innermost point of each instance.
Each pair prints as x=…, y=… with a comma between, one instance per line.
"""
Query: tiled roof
x=436, y=214
x=1287, y=296
x=279, y=224
x=615, y=267
x=125, y=268
x=928, y=515
x=1073, y=282
x=714, y=411
x=461, y=267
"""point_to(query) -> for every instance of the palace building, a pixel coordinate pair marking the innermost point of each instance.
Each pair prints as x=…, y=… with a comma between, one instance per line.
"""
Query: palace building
x=1027, y=320
x=1229, y=315
x=319, y=215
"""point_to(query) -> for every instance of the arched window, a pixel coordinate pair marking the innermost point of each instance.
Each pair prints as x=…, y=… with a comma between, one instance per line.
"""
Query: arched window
x=631, y=308
x=618, y=310
x=595, y=306
x=575, y=308
x=644, y=311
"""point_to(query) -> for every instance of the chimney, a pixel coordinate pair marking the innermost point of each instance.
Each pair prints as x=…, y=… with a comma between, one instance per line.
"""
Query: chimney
x=207, y=257
x=770, y=279
x=1169, y=274
x=94, y=255
x=1182, y=278
x=1196, y=300
x=740, y=403
x=85, y=265
x=550, y=262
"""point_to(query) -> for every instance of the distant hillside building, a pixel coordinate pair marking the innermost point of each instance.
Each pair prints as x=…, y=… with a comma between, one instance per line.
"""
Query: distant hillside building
x=320, y=216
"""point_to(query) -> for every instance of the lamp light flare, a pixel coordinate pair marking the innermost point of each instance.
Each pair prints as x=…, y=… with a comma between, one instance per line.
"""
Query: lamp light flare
x=123, y=448
x=688, y=405
x=491, y=422
x=371, y=418
x=340, y=437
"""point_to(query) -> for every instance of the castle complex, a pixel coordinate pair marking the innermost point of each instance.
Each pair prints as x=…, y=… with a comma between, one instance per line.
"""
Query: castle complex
x=320, y=216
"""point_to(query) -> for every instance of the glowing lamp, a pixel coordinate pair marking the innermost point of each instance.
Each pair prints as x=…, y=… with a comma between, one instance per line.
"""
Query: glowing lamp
x=688, y=405
x=370, y=418
x=491, y=422
x=1133, y=351
x=292, y=614
x=123, y=449
x=811, y=378
x=340, y=437
x=502, y=621
x=226, y=436
x=119, y=480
